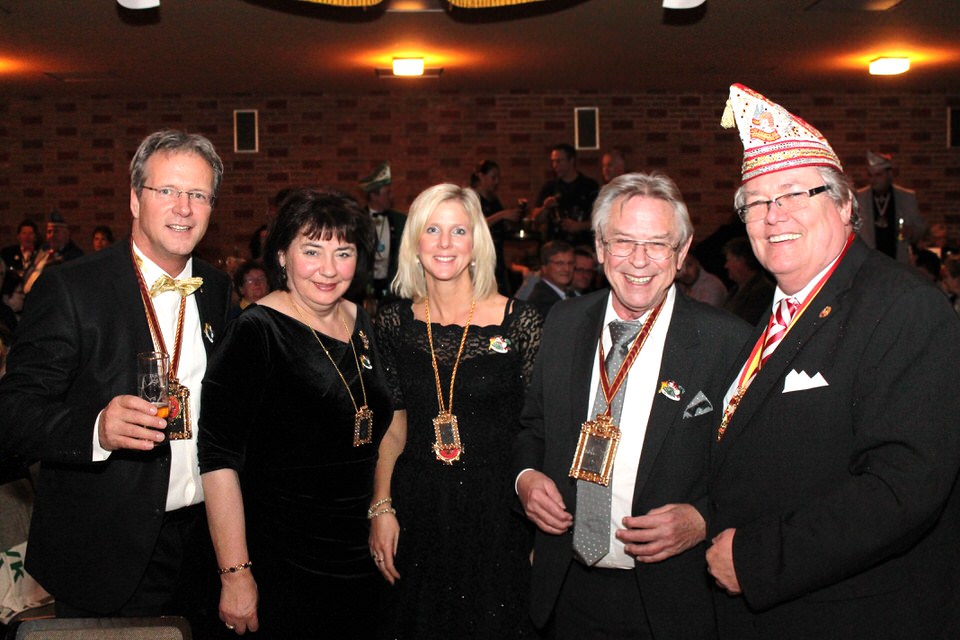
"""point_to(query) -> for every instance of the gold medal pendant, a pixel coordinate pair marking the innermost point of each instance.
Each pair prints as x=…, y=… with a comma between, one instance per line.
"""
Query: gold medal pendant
x=596, y=450
x=447, y=446
x=179, y=426
x=363, y=426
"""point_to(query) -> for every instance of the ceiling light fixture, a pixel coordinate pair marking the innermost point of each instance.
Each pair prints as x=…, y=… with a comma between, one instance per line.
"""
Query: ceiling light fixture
x=408, y=67
x=889, y=66
x=139, y=4
x=682, y=4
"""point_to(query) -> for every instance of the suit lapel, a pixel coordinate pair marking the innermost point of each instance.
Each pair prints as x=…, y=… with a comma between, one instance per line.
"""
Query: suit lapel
x=209, y=305
x=677, y=364
x=584, y=353
x=823, y=309
x=126, y=293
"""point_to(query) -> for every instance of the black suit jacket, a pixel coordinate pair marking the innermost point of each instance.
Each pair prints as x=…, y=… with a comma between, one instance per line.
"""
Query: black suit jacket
x=701, y=343
x=543, y=297
x=94, y=524
x=843, y=495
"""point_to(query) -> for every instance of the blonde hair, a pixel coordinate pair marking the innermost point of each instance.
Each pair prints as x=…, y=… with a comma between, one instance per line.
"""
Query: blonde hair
x=410, y=281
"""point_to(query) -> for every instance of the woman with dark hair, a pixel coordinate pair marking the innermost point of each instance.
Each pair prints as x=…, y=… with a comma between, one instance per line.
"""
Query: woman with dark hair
x=294, y=408
x=485, y=180
x=250, y=282
x=458, y=358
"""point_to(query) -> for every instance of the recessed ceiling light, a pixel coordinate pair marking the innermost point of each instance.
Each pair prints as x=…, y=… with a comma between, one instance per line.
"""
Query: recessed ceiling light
x=139, y=4
x=889, y=66
x=407, y=67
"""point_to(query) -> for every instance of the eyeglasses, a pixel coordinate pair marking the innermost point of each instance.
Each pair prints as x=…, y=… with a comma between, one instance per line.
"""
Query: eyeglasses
x=626, y=248
x=787, y=203
x=170, y=194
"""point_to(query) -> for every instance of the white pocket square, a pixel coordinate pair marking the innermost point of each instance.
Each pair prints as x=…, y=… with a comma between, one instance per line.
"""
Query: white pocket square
x=698, y=406
x=801, y=381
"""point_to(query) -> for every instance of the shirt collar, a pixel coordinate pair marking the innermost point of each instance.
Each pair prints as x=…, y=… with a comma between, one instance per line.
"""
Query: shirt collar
x=151, y=270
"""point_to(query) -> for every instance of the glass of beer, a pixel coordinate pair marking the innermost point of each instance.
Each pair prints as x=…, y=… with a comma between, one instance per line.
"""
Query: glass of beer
x=153, y=368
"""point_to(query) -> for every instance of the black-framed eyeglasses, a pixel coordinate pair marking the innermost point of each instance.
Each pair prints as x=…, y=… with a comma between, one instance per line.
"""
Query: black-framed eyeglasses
x=787, y=203
x=195, y=197
x=625, y=248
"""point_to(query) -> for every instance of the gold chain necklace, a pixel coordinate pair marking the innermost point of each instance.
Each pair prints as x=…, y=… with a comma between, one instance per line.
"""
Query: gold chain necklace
x=447, y=446
x=363, y=418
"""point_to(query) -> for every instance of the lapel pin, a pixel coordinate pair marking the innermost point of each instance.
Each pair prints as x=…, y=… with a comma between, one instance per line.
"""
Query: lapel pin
x=671, y=390
x=825, y=311
x=208, y=332
x=365, y=361
x=365, y=340
x=499, y=344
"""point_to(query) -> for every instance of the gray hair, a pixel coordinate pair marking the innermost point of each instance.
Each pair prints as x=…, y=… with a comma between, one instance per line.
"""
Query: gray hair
x=839, y=189
x=633, y=185
x=172, y=141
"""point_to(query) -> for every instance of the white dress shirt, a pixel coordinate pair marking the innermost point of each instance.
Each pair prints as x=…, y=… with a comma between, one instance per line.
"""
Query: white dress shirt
x=184, y=488
x=640, y=389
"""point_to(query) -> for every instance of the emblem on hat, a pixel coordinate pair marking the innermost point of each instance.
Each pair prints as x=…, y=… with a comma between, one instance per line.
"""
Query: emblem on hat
x=773, y=138
x=379, y=178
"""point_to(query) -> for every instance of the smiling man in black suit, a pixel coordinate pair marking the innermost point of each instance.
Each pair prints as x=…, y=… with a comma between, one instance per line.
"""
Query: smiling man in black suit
x=619, y=547
x=118, y=527
x=834, y=507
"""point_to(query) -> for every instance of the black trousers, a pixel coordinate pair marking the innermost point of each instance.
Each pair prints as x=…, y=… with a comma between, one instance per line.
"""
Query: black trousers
x=180, y=580
x=598, y=604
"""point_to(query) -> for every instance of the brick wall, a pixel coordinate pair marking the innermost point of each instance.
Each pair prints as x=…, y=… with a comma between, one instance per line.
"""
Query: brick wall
x=73, y=153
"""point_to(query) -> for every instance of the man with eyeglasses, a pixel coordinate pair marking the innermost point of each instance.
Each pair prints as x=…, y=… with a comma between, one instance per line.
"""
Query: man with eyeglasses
x=118, y=525
x=556, y=276
x=834, y=510
x=617, y=488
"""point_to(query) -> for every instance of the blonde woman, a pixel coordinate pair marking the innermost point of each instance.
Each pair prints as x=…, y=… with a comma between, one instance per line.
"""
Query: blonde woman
x=458, y=358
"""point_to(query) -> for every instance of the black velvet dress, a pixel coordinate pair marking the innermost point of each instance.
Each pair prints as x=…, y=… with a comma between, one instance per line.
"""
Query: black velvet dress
x=275, y=410
x=464, y=548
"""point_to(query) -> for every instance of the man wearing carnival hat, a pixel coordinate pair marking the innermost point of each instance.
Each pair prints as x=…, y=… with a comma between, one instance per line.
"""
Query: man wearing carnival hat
x=891, y=220
x=834, y=508
x=388, y=226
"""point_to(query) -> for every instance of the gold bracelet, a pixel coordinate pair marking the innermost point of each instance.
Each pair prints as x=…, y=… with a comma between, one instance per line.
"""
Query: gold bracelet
x=379, y=503
x=376, y=514
x=240, y=567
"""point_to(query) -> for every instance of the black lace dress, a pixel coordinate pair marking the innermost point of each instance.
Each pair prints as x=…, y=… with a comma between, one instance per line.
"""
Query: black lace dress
x=276, y=411
x=464, y=547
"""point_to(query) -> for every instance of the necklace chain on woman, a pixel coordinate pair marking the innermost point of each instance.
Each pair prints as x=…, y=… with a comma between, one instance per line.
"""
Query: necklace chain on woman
x=363, y=418
x=446, y=446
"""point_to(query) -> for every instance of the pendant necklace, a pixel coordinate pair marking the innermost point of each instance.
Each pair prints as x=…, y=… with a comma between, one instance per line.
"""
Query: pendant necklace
x=447, y=446
x=363, y=417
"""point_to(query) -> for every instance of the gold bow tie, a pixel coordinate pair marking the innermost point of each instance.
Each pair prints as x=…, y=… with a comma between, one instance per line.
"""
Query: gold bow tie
x=184, y=287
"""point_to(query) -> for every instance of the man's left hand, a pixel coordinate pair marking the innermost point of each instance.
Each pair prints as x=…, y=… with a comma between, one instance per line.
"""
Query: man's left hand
x=720, y=562
x=663, y=532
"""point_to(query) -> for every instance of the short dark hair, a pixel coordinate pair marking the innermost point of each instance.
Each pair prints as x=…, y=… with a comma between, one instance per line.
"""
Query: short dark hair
x=552, y=248
x=105, y=231
x=27, y=223
x=483, y=168
x=566, y=149
x=243, y=270
x=740, y=248
x=319, y=214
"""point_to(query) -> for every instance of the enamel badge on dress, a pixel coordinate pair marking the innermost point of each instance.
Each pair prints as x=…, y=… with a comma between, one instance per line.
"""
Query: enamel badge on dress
x=500, y=344
x=671, y=390
x=208, y=332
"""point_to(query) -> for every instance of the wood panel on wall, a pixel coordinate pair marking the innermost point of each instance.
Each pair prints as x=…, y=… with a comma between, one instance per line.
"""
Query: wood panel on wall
x=72, y=154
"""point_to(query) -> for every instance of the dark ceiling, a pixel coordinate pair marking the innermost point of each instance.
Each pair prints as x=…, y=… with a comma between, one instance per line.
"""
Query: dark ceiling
x=58, y=47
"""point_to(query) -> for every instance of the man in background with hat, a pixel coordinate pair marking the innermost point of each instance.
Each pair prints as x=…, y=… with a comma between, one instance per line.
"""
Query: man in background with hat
x=388, y=226
x=891, y=219
x=834, y=511
x=57, y=249
x=118, y=525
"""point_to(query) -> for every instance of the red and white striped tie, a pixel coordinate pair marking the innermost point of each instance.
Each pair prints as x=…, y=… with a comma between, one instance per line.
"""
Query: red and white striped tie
x=777, y=329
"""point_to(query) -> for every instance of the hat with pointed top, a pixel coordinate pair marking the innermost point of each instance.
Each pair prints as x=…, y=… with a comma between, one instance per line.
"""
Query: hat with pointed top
x=773, y=138
x=379, y=178
x=876, y=160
